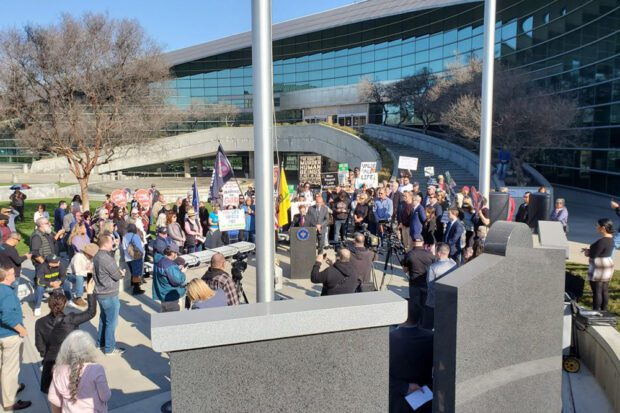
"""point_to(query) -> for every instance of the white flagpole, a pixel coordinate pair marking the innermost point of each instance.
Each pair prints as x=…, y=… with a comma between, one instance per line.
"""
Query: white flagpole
x=262, y=68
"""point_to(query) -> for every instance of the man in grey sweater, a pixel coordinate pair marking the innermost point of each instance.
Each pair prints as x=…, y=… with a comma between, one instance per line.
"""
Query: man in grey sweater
x=436, y=270
x=107, y=276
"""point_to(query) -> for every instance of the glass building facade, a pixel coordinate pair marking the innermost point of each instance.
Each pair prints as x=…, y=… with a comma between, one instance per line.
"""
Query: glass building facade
x=570, y=46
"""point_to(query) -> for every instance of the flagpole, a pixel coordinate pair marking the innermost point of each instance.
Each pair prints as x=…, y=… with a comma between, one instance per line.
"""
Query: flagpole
x=262, y=68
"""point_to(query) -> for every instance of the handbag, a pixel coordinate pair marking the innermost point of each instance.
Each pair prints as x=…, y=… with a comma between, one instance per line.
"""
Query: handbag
x=134, y=253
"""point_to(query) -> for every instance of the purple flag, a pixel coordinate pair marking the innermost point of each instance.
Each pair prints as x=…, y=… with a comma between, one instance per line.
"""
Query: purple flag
x=222, y=173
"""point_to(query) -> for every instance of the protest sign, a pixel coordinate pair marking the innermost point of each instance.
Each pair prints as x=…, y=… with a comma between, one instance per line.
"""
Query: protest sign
x=329, y=179
x=408, y=163
x=310, y=169
x=231, y=219
x=343, y=177
x=143, y=196
x=119, y=198
x=295, y=207
x=230, y=194
x=290, y=163
x=368, y=168
x=429, y=171
x=370, y=180
x=343, y=167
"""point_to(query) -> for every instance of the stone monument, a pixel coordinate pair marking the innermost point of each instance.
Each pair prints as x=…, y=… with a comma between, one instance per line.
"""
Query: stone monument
x=498, y=328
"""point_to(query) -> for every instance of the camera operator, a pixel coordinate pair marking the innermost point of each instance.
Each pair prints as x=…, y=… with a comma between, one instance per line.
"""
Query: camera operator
x=339, y=278
x=362, y=259
x=169, y=280
x=216, y=278
x=416, y=265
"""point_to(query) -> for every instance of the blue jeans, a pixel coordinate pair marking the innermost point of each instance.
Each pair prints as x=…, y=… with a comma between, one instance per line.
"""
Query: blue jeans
x=108, y=320
x=136, y=267
x=502, y=169
x=38, y=294
x=194, y=248
x=78, y=284
x=339, y=225
x=248, y=236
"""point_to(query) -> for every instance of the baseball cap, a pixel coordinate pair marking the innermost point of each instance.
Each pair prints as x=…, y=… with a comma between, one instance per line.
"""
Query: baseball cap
x=173, y=247
x=162, y=230
x=52, y=258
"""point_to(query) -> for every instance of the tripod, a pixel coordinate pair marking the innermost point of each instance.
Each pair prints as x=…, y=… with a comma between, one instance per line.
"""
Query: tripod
x=394, y=249
x=241, y=291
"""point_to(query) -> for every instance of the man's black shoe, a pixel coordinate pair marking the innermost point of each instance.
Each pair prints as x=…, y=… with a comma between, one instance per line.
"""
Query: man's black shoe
x=20, y=405
x=138, y=291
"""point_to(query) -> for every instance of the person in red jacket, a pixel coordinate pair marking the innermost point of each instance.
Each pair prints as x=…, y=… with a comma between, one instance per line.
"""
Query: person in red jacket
x=511, y=202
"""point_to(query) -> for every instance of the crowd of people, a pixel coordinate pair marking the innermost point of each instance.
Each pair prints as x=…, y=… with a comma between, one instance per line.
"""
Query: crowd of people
x=81, y=258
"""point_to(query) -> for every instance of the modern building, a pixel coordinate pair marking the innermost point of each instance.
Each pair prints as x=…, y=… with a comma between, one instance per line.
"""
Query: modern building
x=570, y=45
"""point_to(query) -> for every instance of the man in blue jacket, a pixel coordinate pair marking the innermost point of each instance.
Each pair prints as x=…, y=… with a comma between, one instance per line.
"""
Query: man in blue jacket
x=12, y=332
x=168, y=280
x=418, y=216
x=452, y=236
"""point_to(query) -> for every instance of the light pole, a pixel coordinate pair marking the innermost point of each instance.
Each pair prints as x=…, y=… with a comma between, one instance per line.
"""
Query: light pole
x=486, y=122
x=262, y=71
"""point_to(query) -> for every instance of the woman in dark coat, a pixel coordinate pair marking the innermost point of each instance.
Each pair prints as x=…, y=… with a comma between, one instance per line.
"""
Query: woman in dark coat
x=51, y=330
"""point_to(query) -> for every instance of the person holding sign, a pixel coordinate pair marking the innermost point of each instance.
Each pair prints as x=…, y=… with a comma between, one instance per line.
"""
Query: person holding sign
x=214, y=236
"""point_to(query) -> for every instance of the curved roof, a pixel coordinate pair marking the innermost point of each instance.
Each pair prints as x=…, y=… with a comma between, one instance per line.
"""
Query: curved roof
x=357, y=12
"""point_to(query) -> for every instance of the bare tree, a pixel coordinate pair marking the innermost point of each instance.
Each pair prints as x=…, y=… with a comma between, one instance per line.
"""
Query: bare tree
x=526, y=116
x=415, y=96
x=82, y=89
x=375, y=93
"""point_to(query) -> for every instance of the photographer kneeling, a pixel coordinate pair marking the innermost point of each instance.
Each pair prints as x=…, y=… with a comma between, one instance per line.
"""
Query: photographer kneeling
x=362, y=260
x=339, y=278
x=169, y=280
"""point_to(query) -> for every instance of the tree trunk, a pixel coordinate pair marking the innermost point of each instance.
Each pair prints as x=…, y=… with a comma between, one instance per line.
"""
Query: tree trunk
x=84, y=192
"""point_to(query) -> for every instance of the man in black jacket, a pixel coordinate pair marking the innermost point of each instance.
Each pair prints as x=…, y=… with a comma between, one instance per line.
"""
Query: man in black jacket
x=339, y=278
x=522, y=212
x=9, y=255
x=411, y=363
x=51, y=330
x=362, y=260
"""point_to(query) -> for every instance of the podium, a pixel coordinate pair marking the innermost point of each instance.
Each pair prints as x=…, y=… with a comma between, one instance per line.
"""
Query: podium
x=303, y=251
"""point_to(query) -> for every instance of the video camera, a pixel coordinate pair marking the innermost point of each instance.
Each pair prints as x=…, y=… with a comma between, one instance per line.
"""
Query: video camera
x=239, y=265
x=371, y=241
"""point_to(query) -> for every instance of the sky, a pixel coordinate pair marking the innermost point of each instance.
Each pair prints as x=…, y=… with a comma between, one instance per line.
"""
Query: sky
x=173, y=24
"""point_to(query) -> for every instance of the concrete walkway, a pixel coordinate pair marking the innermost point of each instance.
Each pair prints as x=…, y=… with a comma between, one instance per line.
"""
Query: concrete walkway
x=140, y=378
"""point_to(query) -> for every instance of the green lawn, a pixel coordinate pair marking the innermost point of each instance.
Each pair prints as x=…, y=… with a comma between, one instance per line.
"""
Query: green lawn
x=614, y=289
x=26, y=228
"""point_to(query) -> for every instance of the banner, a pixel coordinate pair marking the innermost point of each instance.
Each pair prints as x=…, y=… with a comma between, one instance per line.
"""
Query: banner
x=310, y=169
x=230, y=194
x=143, y=196
x=405, y=162
x=429, y=171
x=119, y=198
x=231, y=219
x=195, y=196
x=284, y=201
x=329, y=179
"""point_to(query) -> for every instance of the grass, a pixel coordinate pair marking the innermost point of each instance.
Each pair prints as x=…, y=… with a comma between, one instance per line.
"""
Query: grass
x=614, y=289
x=26, y=228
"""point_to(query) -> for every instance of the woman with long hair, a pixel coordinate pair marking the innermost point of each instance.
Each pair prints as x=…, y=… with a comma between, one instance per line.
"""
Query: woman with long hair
x=78, y=238
x=175, y=232
x=134, y=257
x=601, y=264
x=201, y=295
x=52, y=329
x=79, y=383
x=429, y=229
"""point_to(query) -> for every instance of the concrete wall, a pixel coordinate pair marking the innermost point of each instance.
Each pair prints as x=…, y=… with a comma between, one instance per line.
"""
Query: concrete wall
x=461, y=156
x=330, y=142
x=45, y=191
x=599, y=349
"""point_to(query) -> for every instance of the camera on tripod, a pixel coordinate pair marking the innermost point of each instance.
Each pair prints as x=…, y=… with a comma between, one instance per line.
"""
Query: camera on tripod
x=239, y=265
x=370, y=240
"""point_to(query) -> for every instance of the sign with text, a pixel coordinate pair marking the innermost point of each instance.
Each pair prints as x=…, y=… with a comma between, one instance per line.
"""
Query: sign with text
x=291, y=163
x=231, y=219
x=329, y=179
x=144, y=197
x=429, y=171
x=119, y=198
x=405, y=162
x=310, y=169
x=370, y=180
x=343, y=167
x=343, y=177
x=368, y=168
x=230, y=194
